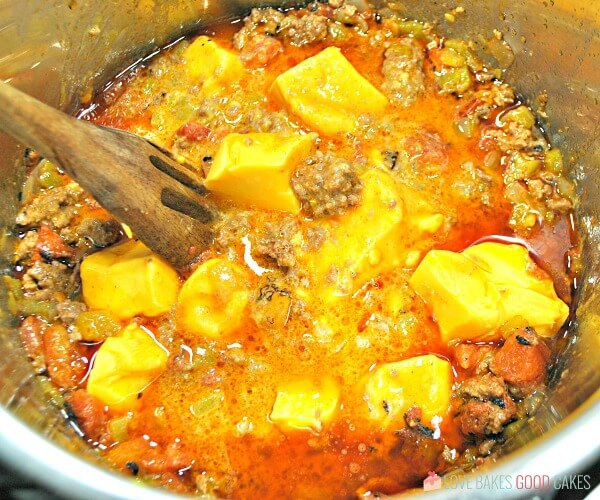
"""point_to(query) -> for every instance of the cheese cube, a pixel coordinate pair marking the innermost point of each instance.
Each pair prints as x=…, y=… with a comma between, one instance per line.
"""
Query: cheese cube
x=129, y=280
x=213, y=66
x=372, y=238
x=546, y=314
x=305, y=405
x=327, y=93
x=526, y=290
x=473, y=293
x=255, y=169
x=423, y=381
x=464, y=302
x=365, y=240
x=125, y=365
x=213, y=299
x=510, y=265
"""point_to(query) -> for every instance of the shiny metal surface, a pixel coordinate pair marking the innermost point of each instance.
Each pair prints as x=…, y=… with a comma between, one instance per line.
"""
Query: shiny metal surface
x=58, y=50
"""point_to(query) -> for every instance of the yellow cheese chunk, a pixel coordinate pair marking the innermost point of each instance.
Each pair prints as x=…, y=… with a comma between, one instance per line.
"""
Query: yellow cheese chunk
x=423, y=381
x=327, y=93
x=464, y=303
x=364, y=242
x=212, y=65
x=255, y=169
x=125, y=365
x=213, y=299
x=372, y=238
x=473, y=293
x=305, y=405
x=510, y=265
x=129, y=280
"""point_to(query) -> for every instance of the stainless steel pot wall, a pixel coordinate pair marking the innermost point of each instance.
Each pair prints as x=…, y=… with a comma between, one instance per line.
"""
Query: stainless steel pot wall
x=58, y=50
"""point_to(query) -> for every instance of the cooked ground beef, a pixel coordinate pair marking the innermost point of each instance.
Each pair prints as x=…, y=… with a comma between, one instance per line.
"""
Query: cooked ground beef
x=539, y=189
x=484, y=387
x=297, y=30
x=327, y=185
x=513, y=136
x=260, y=21
x=559, y=205
x=277, y=244
x=484, y=418
x=474, y=357
x=488, y=406
x=403, y=72
x=415, y=451
x=303, y=30
x=223, y=117
x=26, y=246
x=543, y=187
x=42, y=280
x=349, y=15
x=484, y=99
x=69, y=310
x=101, y=233
x=232, y=229
x=315, y=237
x=55, y=207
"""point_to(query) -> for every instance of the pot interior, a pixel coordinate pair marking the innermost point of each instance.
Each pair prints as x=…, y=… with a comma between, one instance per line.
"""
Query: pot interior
x=61, y=51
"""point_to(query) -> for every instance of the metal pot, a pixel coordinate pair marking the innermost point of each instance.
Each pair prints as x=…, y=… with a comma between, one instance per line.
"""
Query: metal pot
x=59, y=50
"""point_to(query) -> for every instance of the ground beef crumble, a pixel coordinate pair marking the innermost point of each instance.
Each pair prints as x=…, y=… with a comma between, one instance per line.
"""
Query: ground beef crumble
x=327, y=185
x=486, y=98
x=276, y=243
x=297, y=30
x=313, y=24
x=99, y=233
x=42, y=280
x=503, y=376
x=303, y=30
x=488, y=408
x=69, y=310
x=55, y=207
x=403, y=72
x=513, y=136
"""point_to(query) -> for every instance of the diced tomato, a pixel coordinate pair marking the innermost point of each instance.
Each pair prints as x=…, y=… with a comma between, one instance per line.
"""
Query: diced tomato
x=260, y=50
x=137, y=456
x=65, y=366
x=50, y=245
x=89, y=411
x=427, y=148
x=522, y=361
x=193, y=131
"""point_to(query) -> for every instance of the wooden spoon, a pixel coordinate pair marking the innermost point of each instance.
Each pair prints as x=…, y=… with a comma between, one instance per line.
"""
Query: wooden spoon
x=162, y=201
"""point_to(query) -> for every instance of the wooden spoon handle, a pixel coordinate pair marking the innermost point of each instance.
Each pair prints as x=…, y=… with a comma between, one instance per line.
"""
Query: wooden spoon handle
x=130, y=177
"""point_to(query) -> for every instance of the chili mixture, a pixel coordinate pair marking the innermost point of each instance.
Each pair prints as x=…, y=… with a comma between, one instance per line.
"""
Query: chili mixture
x=390, y=275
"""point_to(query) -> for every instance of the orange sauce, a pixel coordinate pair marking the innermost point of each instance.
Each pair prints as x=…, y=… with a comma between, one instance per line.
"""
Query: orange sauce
x=245, y=369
